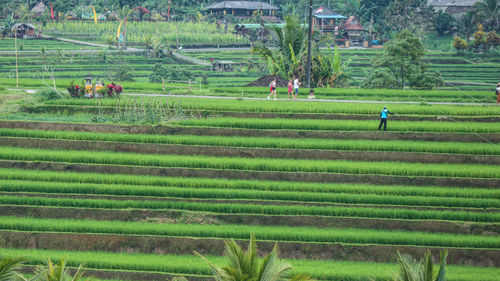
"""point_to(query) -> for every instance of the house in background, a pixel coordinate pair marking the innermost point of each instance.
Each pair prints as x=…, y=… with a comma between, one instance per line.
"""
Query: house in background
x=24, y=30
x=243, y=9
x=453, y=6
x=326, y=20
x=354, y=31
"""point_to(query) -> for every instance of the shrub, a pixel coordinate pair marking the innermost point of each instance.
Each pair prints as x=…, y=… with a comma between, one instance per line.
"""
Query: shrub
x=169, y=73
x=74, y=90
x=47, y=94
x=459, y=44
x=492, y=39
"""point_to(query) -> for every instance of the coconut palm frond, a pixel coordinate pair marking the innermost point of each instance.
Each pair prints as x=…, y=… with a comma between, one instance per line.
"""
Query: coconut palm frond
x=408, y=268
x=274, y=269
x=9, y=266
x=428, y=267
x=218, y=273
x=441, y=276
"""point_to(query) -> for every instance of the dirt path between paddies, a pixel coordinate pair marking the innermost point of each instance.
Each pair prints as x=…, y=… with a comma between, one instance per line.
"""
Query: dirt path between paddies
x=307, y=100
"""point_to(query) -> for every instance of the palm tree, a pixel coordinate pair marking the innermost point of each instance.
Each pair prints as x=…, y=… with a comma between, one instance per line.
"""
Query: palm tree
x=9, y=268
x=246, y=266
x=56, y=272
x=424, y=270
x=490, y=12
x=468, y=22
x=291, y=41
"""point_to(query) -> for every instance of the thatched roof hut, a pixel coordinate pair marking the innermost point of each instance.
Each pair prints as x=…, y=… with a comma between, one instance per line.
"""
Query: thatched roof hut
x=241, y=8
x=39, y=9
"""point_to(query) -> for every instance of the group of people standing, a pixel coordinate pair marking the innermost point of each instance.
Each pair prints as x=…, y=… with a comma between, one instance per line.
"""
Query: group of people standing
x=293, y=88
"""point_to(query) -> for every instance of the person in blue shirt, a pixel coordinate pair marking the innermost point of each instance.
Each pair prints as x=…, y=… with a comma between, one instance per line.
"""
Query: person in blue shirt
x=383, y=118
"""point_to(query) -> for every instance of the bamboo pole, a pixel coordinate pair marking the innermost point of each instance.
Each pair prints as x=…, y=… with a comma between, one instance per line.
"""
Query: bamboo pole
x=15, y=47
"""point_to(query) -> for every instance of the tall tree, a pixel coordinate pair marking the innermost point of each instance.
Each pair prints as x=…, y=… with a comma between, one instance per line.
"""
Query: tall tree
x=489, y=11
x=401, y=65
x=403, y=14
x=467, y=23
x=289, y=56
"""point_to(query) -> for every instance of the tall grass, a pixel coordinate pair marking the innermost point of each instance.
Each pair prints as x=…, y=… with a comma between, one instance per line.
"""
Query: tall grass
x=168, y=32
x=243, y=194
x=270, y=233
x=254, y=164
x=231, y=184
x=343, y=125
x=265, y=142
x=235, y=208
x=314, y=107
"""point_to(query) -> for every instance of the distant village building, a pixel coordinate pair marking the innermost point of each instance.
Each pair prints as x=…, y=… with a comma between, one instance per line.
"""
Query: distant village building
x=453, y=6
x=353, y=30
x=39, y=9
x=242, y=8
x=326, y=20
x=24, y=30
x=226, y=66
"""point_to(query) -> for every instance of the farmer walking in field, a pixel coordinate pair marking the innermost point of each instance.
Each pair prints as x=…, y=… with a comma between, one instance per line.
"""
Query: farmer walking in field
x=383, y=118
x=272, y=88
x=498, y=93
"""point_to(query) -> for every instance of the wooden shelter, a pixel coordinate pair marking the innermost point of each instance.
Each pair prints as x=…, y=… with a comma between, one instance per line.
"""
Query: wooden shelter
x=24, y=30
x=327, y=20
x=241, y=8
x=39, y=9
x=226, y=66
x=353, y=30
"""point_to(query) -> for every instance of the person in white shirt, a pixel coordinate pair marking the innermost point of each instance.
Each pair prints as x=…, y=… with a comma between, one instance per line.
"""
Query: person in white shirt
x=498, y=93
x=296, y=85
x=272, y=88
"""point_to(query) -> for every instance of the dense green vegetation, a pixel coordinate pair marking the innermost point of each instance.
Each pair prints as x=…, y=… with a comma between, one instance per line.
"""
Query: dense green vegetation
x=364, y=210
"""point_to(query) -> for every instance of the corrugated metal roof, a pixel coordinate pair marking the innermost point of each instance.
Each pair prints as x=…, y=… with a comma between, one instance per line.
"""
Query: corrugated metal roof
x=241, y=5
x=327, y=13
x=17, y=25
x=459, y=3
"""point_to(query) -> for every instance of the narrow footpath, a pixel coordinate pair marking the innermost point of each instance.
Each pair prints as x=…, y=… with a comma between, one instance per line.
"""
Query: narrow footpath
x=308, y=100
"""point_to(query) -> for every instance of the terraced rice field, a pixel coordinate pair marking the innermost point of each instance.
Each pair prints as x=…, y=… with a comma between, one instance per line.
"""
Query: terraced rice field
x=458, y=72
x=132, y=202
x=467, y=79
